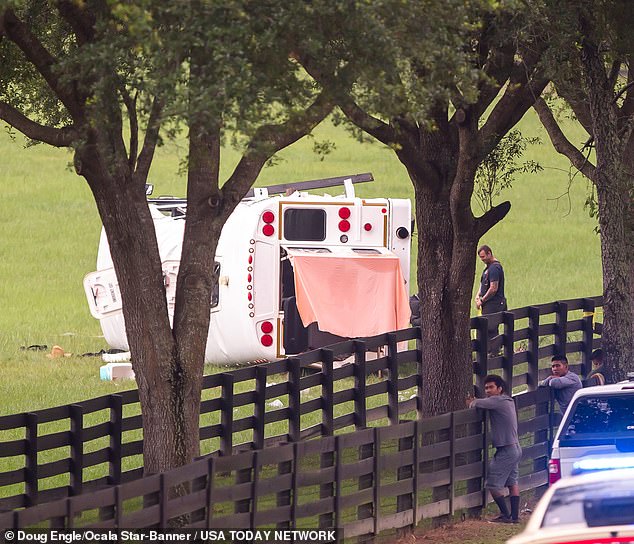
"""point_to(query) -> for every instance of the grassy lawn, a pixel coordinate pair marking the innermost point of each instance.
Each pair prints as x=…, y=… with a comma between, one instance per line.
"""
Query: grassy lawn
x=50, y=231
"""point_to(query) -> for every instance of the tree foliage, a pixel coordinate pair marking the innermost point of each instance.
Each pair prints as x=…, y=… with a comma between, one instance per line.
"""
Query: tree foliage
x=441, y=92
x=592, y=71
x=109, y=80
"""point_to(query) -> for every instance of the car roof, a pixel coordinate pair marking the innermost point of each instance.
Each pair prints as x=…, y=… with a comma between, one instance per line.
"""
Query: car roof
x=626, y=387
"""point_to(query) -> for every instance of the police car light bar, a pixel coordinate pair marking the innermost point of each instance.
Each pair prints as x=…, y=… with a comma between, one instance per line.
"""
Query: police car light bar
x=602, y=463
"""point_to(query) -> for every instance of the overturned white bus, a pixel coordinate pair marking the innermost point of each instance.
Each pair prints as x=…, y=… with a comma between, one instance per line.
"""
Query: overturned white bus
x=296, y=271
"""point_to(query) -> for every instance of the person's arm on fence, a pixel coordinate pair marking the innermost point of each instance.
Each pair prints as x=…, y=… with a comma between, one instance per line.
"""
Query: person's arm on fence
x=490, y=403
x=567, y=380
x=546, y=382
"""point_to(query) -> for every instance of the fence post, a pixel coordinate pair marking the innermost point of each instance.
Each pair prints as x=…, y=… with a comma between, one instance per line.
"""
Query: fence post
x=417, y=439
x=328, y=428
x=561, y=320
x=255, y=482
x=327, y=393
x=338, y=460
x=392, y=380
x=452, y=461
x=76, y=448
x=211, y=473
x=31, y=481
x=533, y=348
x=294, y=399
x=294, y=490
x=405, y=502
x=419, y=374
x=481, y=361
x=485, y=456
x=376, y=481
x=541, y=436
x=588, y=336
x=359, y=384
x=116, y=439
x=226, y=414
x=508, y=319
x=259, y=409
x=163, y=498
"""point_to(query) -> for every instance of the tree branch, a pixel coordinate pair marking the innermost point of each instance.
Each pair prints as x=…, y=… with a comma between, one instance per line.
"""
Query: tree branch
x=146, y=155
x=492, y=217
x=627, y=109
x=268, y=140
x=525, y=85
x=42, y=60
x=380, y=130
x=81, y=21
x=560, y=142
x=507, y=113
x=130, y=105
x=497, y=70
x=57, y=137
x=372, y=125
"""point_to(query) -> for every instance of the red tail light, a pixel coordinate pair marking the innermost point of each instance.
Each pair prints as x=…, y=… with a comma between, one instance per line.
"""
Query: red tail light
x=554, y=471
x=266, y=327
x=267, y=340
x=268, y=230
x=268, y=217
x=344, y=213
x=344, y=226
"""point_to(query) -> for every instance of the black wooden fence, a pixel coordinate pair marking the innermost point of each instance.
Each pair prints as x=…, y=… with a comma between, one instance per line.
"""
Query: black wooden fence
x=67, y=451
x=362, y=482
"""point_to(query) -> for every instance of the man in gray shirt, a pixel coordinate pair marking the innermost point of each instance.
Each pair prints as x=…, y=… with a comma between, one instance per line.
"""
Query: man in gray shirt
x=504, y=467
x=563, y=381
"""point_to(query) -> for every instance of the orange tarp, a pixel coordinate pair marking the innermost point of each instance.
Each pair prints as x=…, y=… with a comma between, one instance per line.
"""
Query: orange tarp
x=355, y=296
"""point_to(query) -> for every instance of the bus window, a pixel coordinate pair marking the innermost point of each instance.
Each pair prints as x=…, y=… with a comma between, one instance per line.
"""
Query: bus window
x=307, y=224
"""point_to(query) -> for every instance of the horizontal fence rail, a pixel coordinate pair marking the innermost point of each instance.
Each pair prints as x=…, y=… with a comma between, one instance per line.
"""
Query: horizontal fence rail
x=362, y=482
x=50, y=454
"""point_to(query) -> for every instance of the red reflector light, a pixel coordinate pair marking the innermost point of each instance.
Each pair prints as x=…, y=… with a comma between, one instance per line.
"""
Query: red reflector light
x=554, y=471
x=250, y=259
x=268, y=217
x=384, y=210
x=344, y=213
x=249, y=278
x=268, y=230
x=344, y=226
x=367, y=227
x=249, y=296
x=266, y=327
x=267, y=340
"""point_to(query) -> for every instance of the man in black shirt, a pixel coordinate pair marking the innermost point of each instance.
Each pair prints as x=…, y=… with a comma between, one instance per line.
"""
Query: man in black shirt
x=490, y=297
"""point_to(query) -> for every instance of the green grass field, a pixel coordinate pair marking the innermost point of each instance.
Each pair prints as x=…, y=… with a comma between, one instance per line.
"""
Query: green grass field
x=50, y=230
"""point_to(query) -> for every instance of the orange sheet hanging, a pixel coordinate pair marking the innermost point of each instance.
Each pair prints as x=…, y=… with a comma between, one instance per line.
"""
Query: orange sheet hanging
x=348, y=296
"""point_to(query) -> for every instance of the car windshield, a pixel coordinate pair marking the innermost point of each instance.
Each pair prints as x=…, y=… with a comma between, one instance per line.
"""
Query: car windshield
x=594, y=505
x=612, y=414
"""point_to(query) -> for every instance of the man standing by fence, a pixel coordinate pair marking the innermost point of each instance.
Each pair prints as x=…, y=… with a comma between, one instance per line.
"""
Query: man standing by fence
x=490, y=297
x=563, y=381
x=504, y=467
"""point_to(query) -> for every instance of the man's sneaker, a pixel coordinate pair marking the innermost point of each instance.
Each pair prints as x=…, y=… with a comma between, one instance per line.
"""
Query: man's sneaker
x=501, y=519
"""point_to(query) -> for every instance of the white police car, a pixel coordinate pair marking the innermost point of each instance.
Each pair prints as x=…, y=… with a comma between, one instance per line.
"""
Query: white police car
x=598, y=422
x=593, y=508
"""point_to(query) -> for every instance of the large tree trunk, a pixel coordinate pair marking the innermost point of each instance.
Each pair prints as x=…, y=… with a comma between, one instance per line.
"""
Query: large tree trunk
x=616, y=257
x=614, y=192
x=446, y=267
x=168, y=394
